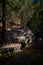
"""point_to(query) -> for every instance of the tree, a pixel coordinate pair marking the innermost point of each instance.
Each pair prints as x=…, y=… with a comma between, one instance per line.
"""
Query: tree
x=36, y=22
x=25, y=12
x=3, y=39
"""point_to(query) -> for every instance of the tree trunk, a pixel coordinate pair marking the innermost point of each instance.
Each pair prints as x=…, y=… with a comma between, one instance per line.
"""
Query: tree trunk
x=3, y=40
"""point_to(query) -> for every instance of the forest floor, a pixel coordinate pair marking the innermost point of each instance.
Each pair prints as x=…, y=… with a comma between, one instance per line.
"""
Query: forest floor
x=29, y=56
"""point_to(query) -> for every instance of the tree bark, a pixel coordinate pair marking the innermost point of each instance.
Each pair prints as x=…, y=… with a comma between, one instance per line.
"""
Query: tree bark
x=3, y=36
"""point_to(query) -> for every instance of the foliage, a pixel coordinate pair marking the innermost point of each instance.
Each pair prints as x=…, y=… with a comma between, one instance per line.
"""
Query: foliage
x=36, y=20
x=25, y=10
x=35, y=11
